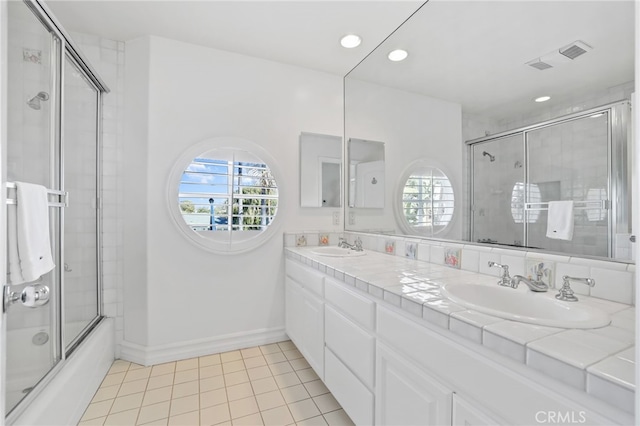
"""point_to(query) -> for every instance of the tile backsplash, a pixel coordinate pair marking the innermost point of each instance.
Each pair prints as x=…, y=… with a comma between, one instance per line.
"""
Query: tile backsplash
x=614, y=280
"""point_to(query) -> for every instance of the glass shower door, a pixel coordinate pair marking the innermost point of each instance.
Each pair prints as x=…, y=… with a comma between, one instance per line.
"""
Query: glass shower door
x=80, y=130
x=498, y=197
x=570, y=161
x=32, y=343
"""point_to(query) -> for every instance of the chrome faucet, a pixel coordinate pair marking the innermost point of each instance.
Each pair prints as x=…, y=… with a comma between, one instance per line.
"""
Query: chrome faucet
x=505, y=279
x=566, y=293
x=357, y=244
x=534, y=284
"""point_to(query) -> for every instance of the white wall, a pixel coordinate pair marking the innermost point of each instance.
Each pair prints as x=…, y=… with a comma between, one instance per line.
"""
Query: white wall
x=412, y=127
x=179, y=95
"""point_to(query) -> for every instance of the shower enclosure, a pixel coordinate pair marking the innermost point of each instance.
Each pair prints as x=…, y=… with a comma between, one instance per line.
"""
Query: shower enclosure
x=54, y=109
x=581, y=157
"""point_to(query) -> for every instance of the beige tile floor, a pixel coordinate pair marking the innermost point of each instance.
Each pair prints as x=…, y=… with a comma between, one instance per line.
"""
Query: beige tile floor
x=263, y=385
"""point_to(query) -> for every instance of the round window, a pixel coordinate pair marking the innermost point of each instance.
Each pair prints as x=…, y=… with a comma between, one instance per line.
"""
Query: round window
x=225, y=197
x=426, y=204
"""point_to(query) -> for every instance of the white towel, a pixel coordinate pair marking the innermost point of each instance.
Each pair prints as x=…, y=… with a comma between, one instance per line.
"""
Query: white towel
x=560, y=220
x=32, y=230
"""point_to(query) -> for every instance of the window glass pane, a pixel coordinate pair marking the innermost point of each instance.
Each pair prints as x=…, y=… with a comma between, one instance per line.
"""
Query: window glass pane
x=219, y=195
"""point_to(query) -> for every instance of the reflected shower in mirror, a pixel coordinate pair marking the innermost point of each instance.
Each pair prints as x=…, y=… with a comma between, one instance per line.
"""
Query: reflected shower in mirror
x=320, y=170
x=481, y=69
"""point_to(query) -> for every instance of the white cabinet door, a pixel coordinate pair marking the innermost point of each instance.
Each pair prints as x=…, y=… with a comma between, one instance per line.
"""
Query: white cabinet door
x=313, y=332
x=406, y=395
x=466, y=414
x=294, y=303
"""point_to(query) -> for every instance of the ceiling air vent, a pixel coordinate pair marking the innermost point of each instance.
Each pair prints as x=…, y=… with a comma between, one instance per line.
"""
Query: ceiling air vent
x=575, y=49
x=539, y=65
x=561, y=56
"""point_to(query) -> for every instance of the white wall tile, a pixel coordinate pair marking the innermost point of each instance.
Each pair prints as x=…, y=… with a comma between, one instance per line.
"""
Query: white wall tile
x=470, y=259
x=612, y=285
x=437, y=255
x=486, y=257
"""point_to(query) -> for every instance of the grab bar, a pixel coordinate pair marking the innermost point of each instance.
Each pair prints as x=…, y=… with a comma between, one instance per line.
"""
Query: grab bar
x=56, y=192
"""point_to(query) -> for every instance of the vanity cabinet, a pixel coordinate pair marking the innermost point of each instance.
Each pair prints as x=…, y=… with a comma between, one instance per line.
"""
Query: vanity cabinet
x=388, y=367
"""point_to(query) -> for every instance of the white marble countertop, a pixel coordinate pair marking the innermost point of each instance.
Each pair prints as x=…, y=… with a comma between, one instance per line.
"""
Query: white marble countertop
x=599, y=361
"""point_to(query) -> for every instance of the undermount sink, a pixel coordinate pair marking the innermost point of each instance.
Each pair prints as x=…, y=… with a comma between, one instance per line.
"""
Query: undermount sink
x=526, y=306
x=336, y=252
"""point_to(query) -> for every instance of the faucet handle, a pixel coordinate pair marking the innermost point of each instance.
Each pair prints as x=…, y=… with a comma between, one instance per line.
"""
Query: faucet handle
x=538, y=269
x=505, y=268
x=358, y=244
x=505, y=279
x=566, y=293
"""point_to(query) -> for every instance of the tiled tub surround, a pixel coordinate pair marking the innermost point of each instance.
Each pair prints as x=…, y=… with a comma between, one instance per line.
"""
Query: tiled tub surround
x=599, y=361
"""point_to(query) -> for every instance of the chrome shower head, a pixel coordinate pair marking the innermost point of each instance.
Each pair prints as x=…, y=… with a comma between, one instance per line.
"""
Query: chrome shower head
x=34, y=103
x=492, y=158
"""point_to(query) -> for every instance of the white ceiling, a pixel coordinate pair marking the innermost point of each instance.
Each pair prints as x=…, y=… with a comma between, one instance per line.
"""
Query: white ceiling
x=303, y=33
x=469, y=52
x=474, y=52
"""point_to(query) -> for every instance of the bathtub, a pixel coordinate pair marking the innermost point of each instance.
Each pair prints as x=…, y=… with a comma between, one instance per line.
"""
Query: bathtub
x=68, y=389
x=27, y=361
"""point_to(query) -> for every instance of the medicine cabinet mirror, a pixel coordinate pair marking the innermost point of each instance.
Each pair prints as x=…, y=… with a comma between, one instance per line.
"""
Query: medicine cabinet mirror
x=320, y=170
x=366, y=174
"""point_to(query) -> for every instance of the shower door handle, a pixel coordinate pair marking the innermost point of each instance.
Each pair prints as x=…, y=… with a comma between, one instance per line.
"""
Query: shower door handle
x=31, y=296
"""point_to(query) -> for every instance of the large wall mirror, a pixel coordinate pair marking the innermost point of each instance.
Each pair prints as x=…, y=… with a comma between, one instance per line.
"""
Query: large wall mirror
x=469, y=99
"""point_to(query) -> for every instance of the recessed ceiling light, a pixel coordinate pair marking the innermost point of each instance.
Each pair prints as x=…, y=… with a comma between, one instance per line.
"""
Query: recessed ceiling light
x=397, y=55
x=542, y=99
x=350, y=41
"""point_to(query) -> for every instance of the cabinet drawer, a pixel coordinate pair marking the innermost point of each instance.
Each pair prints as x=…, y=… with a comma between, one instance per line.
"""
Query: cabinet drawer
x=355, y=398
x=467, y=414
x=307, y=277
x=353, y=345
x=358, y=308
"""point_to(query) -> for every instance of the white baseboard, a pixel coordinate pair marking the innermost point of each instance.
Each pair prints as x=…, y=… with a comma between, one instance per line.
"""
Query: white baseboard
x=151, y=355
x=63, y=400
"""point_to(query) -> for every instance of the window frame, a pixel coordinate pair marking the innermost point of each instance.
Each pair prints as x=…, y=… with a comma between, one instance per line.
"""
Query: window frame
x=232, y=241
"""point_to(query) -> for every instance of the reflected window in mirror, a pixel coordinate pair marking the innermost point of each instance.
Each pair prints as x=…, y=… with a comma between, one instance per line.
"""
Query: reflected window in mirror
x=427, y=201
